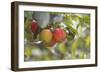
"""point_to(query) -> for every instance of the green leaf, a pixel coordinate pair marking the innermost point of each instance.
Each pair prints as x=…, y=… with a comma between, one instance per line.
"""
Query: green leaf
x=27, y=30
x=81, y=22
x=87, y=41
x=68, y=20
x=70, y=37
x=28, y=14
x=74, y=48
x=82, y=55
x=47, y=55
x=72, y=33
x=62, y=48
x=28, y=52
x=86, y=19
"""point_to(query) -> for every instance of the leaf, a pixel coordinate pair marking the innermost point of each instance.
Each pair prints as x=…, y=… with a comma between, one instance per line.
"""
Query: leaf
x=81, y=22
x=47, y=54
x=68, y=20
x=70, y=37
x=27, y=30
x=86, y=19
x=62, y=48
x=47, y=57
x=82, y=55
x=87, y=41
x=28, y=52
x=72, y=33
x=75, y=18
x=74, y=48
x=28, y=14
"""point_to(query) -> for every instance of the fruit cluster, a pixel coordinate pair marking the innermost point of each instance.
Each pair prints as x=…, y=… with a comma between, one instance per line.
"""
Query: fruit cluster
x=49, y=35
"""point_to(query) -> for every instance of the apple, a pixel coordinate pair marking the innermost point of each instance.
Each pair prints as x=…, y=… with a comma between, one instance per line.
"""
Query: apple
x=52, y=43
x=59, y=34
x=34, y=26
x=46, y=35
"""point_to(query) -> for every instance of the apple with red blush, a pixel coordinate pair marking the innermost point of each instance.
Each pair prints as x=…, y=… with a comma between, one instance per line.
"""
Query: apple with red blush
x=59, y=34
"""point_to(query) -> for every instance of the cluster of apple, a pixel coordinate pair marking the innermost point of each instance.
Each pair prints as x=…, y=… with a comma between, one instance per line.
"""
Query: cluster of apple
x=49, y=35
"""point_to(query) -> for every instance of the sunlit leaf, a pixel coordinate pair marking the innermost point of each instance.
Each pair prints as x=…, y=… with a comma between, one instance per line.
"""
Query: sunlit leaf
x=62, y=48
x=72, y=33
x=68, y=20
x=86, y=19
x=82, y=55
x=87, y=41
x=74, y=48
x=28, y=52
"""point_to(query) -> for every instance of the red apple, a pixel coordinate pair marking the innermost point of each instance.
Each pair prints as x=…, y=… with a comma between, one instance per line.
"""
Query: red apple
x=59, y=34
x=34, y=26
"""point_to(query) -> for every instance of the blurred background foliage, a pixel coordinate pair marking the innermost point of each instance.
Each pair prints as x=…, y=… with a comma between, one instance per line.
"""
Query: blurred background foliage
x=75, y=46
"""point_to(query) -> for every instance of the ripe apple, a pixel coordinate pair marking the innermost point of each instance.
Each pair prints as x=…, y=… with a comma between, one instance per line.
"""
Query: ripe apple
x=52, y=43
x=46, y=35
x=34, y=26
x=59, y=34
